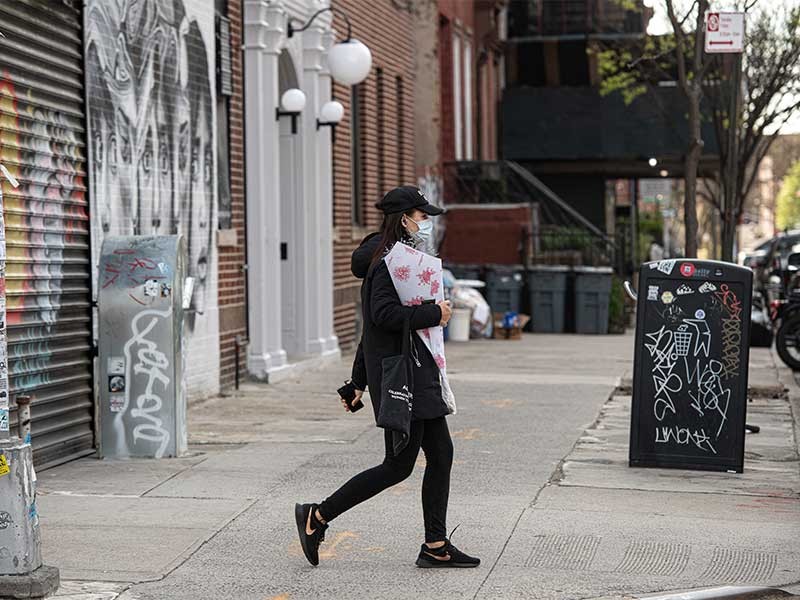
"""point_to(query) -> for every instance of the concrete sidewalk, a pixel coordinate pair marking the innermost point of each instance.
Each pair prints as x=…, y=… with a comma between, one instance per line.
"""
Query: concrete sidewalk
x=540, y=487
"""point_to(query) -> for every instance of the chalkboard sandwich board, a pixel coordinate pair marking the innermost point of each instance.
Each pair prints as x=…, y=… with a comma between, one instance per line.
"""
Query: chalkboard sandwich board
x=690, y=365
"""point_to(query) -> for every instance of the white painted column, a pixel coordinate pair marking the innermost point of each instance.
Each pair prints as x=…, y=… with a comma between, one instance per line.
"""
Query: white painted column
x=325, y=161
x=264, y=22
x=313, y=200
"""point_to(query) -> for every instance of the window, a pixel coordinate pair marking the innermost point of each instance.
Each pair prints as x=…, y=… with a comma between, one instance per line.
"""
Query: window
x=380, y=114
x=401, y=132
x=224, y=89
x=467, y=100
x=458, y=94
x=356, y=173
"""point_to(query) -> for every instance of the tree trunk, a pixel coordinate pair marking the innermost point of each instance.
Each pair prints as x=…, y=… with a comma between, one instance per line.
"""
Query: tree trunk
x=728, y=237
x=690, y=177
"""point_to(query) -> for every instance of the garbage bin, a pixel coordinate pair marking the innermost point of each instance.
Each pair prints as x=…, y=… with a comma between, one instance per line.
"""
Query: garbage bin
x=465, y=271
x=458, y=327
x=592, y=293
x=547, y=286
x=504, y=285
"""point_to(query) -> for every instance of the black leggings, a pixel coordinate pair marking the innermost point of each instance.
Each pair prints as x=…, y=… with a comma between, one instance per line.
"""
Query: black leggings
x=433, y=437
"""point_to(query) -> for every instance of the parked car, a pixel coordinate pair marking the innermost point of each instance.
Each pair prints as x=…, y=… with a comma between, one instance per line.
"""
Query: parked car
x=769, y=263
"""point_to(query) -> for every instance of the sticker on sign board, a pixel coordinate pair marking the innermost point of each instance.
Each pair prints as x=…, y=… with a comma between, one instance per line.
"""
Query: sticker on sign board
x=707, y=288
x=116, y=383
x=700, y=314
x=652, y=292
x=116, y=365
x=684, y=290
x=3, y=419
x=687, y=269
x=116, y=403
x=666, y=266
x=4, y=468
x=667, y=297
x=653, y=265
x=151, y=288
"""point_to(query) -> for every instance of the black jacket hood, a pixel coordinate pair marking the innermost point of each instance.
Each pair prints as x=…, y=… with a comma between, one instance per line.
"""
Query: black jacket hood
x=362, y=256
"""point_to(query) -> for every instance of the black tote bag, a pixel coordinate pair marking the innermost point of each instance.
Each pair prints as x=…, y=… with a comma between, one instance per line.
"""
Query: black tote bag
x=397, y=393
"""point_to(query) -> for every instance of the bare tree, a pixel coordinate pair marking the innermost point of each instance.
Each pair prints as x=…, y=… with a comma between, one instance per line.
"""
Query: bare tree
x=771, y=95
x=680, y=57
x=690, y=80
x=770, y=88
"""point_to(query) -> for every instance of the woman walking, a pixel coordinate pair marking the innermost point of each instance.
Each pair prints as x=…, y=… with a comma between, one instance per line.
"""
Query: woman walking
x=406, y=219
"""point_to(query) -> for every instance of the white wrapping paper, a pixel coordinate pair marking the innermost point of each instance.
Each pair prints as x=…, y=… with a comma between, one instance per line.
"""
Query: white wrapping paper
x=417, y=276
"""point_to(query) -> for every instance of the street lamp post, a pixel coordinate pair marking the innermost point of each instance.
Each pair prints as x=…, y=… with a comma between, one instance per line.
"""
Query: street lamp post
x=330, y=115
x=293, y=102
x=349, y=61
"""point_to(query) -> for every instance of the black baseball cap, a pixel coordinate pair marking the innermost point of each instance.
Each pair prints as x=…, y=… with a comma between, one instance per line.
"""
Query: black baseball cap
x=404, y=198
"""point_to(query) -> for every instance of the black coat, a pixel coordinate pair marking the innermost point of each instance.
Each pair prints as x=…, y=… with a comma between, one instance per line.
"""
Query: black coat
x=383, y=316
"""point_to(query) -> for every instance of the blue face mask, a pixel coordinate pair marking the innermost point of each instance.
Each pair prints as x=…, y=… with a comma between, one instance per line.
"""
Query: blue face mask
x=424, y=235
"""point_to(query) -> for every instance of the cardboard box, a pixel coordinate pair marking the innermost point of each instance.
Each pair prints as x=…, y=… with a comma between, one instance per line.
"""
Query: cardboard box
x=513, y=333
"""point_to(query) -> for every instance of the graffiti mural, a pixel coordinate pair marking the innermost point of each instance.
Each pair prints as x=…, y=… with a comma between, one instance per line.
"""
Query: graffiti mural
x=47, y=230
x=151, y=127
x=150, y=104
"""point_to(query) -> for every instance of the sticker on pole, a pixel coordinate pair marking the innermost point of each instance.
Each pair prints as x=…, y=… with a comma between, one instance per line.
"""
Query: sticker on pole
x=4, y=468
x=724, y=32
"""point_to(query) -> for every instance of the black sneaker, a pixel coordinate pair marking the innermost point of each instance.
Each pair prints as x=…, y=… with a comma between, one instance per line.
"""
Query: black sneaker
x=446, y=557
x=309, y=541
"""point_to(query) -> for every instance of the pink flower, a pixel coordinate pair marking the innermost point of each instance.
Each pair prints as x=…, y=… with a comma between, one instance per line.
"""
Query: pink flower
x=439, y=361
x=427, y=334
x=416, y=301
x=425, y=276
x=402, y=273
x=434, y=287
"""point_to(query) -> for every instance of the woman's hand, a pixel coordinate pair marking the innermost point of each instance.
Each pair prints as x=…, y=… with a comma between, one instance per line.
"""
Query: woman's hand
x=356, y=400
x=447, y=312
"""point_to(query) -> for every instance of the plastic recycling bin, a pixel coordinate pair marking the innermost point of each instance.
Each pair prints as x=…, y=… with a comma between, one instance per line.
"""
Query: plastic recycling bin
x=464, y=271
x=504, y=285
x=547, y=286
x=592, y=293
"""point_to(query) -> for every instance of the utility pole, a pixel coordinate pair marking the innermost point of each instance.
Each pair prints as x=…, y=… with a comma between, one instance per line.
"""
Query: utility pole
x=732, y=170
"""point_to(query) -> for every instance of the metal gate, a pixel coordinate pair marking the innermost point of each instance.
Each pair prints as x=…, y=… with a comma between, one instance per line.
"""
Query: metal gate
x=48, y=281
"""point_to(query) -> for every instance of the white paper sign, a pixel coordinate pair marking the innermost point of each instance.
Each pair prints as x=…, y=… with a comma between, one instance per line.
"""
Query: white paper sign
x=724, y=32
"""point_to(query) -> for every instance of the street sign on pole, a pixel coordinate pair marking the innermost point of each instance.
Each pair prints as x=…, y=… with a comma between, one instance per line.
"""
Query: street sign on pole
x=724, y=32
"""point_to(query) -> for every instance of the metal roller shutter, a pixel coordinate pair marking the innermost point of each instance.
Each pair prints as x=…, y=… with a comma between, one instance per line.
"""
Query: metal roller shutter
x=48, y=286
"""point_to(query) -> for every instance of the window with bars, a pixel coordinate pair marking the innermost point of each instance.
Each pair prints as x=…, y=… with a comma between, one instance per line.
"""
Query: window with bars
x=381, y=116
x=401, y=131
x=356, y=159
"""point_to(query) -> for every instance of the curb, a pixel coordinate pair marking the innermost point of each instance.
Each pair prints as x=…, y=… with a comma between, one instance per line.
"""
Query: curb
x=727, y=591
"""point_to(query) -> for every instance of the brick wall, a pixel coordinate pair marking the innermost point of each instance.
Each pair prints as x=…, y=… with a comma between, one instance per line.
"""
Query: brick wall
x=232, y=284
x=388, y=32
